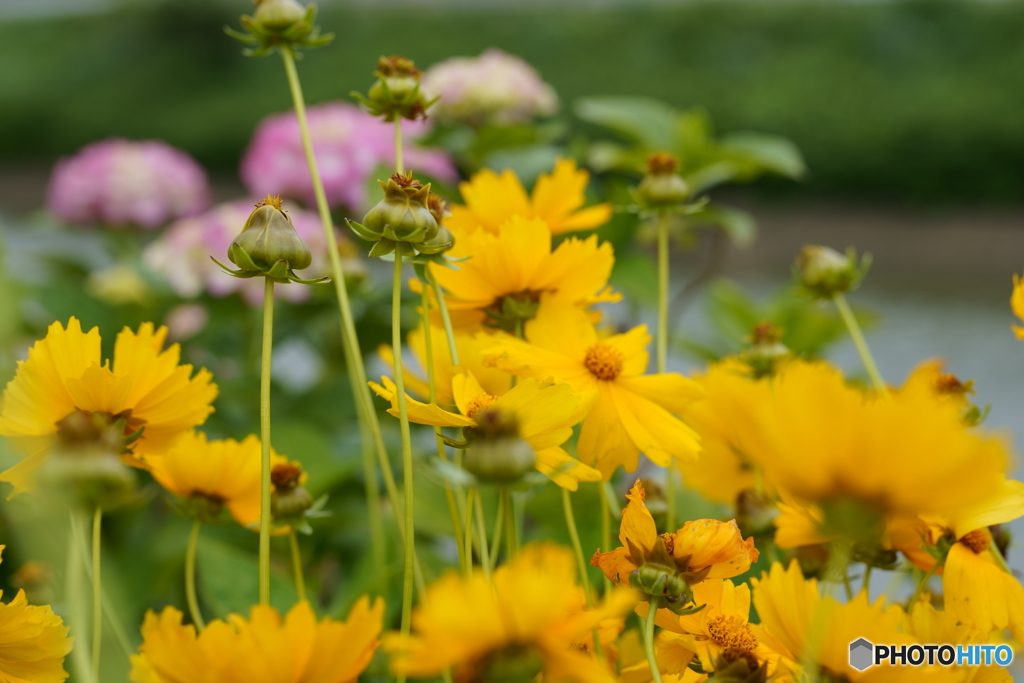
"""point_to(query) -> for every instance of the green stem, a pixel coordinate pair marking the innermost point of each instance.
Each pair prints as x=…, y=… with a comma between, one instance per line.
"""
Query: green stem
x=350, y=340
x=468, y=528
x=613, y=503
x=662, y=350
x=300, y=582
x=921, y=585
x=481, y=535
x=97, y=592
x=574, y=534
x=407, y=464
x=867, y=581
x=378, y=545
x=858, y=340
x=76, y=610
x=119, y=633
x=428, y=341
x=652, y=658
x=499, y=524
x=265, y=515
x=399, y=163
x=446, y=320
x=511, y=527
x=190, y=576
x=606, y=531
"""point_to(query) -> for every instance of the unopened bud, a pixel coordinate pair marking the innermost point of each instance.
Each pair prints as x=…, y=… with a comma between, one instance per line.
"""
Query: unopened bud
x=662, y=186
x=766, y=350
x=396, y=92
x=401, y=219
x=824, y=272
x=496, y=452
x=268, y=237
x=278, y=14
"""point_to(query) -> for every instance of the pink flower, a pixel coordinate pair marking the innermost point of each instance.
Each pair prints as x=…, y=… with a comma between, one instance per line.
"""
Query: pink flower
x=120, y=182
x=349, y=145
x=182, y=254
x=493, y=88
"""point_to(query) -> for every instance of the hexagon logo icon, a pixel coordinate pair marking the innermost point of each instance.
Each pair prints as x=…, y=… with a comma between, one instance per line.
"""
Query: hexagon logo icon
x=861, y=654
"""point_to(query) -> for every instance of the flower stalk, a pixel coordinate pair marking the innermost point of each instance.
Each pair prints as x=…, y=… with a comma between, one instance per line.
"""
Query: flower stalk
x=662, y=349
x=850, y=320
x=266, y=518
x=190, y=577
x=652, y=658
x=300, y=581
x=97, y=592
x=577, y=546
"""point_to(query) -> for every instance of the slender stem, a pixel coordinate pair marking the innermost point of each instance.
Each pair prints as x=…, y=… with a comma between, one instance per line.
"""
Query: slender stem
x=407, y=465
x=606, y=531
x=300, y=582
x=867, y=581
x=511, y=527
x=399, y=163
x=481, y=535
x=574, y=534
x=858, y=340
x=350, y=340
x=613, y=503
x=662, y=350
x=83, y=552
x=446, y=320
x=378, y=544
x=428, y=341
x=190, y=576
x=468, y=528
x=1000, y=560
x=97, y=592
x=76, y=610
x=922, y=585
x=499, y=524
x=265, y=516
x=652, y=658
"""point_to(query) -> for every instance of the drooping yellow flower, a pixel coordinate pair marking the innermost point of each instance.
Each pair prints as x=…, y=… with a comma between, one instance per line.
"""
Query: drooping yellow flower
x=262, y=649
x=508, y=270
x=700, y=549
x=723, y=471
x=213, y=474
x=524, y=623
x=802, y=626
x=542, y=413
x=629, y=411
x=1017, y=304
x=905, y=453
x=33, y=642
x=146, y=388
x=492, y=198
x=723, y=624
x=467, y=342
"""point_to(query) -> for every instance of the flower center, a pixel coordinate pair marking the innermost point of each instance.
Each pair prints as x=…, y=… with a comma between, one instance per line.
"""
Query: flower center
x=731, y=632
x=977, y=540
x=285, y=476
x=478, y=403
x=604, y=361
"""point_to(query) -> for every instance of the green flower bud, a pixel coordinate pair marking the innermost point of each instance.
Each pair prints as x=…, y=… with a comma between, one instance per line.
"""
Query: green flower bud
x=443, y=240
x=496, y=452
x=396, y=92
x=766, y=351
x=86, y=462
x=401, y=219
x=269, y=237
x=662, y=186
x=824, y=272
x=278, y=14
x=289, y=500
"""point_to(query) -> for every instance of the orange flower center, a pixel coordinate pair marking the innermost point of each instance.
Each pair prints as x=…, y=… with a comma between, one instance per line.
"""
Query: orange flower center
x=604, y=361
x=977, y=540
x=285, y=476
x=478, y=403
x=270, y=200
x=731, y=631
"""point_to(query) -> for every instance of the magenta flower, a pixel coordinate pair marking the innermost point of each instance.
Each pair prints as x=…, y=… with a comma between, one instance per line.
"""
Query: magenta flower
x=349, y=144
x=119, y=182
x=493, y=88
x=182, y=254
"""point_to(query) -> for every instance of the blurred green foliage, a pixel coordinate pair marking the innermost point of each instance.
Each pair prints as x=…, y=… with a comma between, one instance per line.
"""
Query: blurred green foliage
x=912, y=99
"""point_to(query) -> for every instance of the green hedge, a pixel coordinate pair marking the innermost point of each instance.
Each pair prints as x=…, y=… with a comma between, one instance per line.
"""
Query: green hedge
x=909, y=100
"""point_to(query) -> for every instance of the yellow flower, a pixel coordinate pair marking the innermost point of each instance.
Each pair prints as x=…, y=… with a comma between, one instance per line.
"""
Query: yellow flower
x=700, y=549
x=723, y=471
x=262, y=649
x=468, y=344
x=930, y=625
x=492, y=198
x=543, y=413
x=213, y=474
x=524, y=623
x=802, y=626
x=629, y=411
x=33, y=642
x=508, y=270
x=1017, y=304
x=146, y=388
x=907, y=453
x=723, y=624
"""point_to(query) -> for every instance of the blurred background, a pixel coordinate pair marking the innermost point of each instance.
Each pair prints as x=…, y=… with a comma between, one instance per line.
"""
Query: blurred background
x=905, y=139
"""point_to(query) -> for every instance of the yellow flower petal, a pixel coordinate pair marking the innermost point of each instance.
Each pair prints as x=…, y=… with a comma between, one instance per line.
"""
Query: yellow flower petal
x=420, y=413
x=563, y=469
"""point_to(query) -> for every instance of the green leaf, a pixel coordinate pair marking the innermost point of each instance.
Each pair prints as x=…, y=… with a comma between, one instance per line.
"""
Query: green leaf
x=228, y=579
x=739, y=225
x=770, y=153
x=641, y=119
